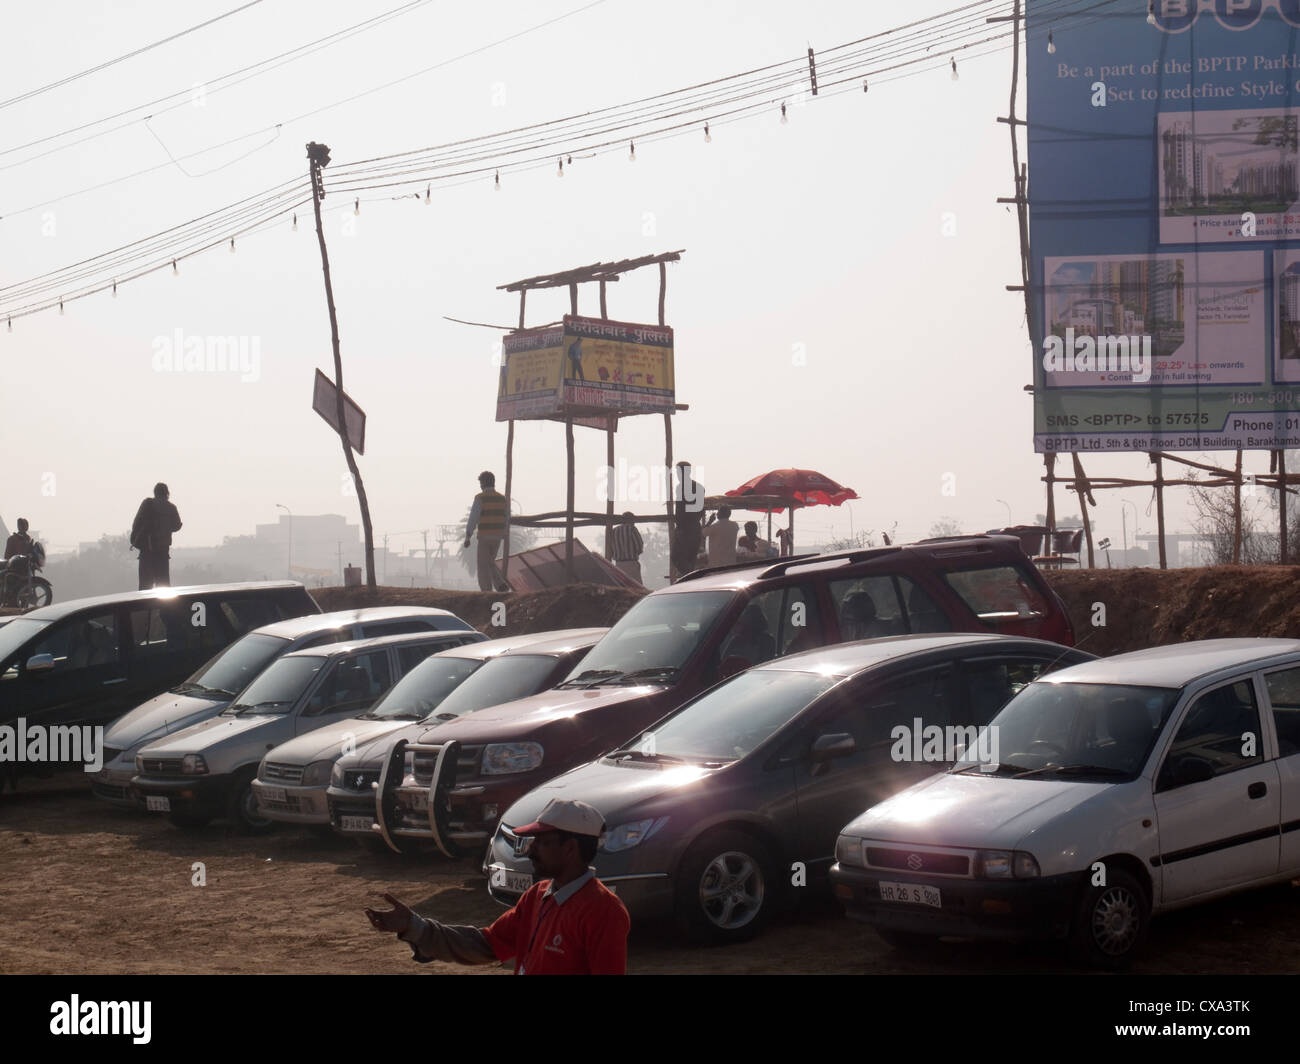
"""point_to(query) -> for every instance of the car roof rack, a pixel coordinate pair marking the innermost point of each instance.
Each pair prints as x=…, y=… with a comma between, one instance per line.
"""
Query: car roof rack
x=709, y=570
x=849, y=557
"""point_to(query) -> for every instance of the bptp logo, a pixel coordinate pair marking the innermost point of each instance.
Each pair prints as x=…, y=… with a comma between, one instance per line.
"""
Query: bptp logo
x=1175, y=16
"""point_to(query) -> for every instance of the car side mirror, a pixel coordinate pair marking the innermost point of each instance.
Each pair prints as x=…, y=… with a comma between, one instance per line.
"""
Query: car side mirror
x=826, y=748
x=1186, y=770
x=732, y=664
x=40, y=663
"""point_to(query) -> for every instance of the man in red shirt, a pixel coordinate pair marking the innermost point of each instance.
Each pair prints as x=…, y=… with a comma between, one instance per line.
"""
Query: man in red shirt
x=567, y=922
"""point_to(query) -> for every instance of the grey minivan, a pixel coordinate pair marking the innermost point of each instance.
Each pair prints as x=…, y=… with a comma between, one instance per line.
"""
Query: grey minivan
x=214, y=686
x=715, y=811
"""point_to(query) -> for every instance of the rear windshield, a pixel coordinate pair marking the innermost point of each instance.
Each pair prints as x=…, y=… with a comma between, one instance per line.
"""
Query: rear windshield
x=235, y=667
x=998, y=592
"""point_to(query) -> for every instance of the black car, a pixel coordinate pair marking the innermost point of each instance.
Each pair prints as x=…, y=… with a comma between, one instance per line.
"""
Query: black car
x=722, y=810
x=87, y=661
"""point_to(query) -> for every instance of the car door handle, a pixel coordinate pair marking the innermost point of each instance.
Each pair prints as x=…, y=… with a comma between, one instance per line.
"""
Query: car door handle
x=109, y=683
x=1257, y=790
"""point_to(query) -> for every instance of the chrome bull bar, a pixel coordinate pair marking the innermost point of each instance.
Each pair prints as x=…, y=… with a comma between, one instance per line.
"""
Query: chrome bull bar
x=439, y=807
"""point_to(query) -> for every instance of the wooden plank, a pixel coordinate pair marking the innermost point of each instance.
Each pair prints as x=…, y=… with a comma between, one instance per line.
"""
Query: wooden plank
x=510, y=465
x=663, y=289
x=1236, y=512
x=1160, y=508
x=568, y=527
x=609, y=491
x=668, y=465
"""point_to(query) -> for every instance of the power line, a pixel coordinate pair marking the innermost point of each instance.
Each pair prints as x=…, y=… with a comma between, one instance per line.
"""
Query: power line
x=123, y=58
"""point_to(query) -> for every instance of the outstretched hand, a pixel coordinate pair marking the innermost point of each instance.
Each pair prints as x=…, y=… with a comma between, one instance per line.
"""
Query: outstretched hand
x=395, y=920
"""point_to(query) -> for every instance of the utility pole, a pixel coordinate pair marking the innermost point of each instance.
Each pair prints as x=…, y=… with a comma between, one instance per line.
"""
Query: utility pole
x=426, y=557
x=318, y=156
x=385, y=558
x=341, y=577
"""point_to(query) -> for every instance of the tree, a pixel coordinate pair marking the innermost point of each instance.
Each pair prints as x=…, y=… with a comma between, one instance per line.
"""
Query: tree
x=945, y=526
x=1216, y=520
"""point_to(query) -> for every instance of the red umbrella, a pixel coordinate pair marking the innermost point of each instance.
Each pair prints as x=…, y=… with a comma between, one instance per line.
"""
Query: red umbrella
x=803, y=487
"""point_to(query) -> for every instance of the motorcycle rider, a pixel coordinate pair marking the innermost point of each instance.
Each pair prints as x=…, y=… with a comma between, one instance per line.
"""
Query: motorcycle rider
x=20, y=542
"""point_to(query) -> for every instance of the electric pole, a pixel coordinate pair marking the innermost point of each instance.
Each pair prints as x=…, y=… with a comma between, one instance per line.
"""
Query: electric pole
x=318, y=156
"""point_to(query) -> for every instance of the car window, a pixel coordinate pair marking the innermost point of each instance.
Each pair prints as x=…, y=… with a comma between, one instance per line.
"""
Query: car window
x=236, y=666
x=872, y=717
x=1220, y=729
x=867, y=608
x=375, y=628
x=352, y=684
x=12, y=636
x=334, y=635
x=82, y=642
x=775, y=623
x=1284, y=695
x=247, y=612
x=991, y=683
x=173, y=629
x=998, y=591
x=411, y=656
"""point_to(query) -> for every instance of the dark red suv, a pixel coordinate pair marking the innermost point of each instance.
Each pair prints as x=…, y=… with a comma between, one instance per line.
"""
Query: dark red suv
x=682, y=639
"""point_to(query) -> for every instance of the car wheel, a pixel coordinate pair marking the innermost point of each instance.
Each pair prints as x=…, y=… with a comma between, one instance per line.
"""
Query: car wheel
x=726, y=887
x=906, y=941
x=189, y=820
x=1111, y=923
x=243, y=809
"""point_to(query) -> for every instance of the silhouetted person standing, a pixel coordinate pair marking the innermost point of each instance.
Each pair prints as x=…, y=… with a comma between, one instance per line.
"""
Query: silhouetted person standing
x=151, y=535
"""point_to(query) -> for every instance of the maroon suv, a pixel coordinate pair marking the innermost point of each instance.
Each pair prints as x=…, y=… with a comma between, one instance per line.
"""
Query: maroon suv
x=682, y=639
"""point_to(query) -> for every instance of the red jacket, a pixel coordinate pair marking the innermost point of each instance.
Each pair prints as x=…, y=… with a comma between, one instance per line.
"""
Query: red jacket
x=584, y=935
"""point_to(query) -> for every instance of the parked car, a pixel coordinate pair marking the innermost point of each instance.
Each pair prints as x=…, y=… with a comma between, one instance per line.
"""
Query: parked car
x=89, y=660
x=207, y=769
x=1126, y=787
x=445, y=687
x=214, y=686
x=680, y=640
x=710, y=813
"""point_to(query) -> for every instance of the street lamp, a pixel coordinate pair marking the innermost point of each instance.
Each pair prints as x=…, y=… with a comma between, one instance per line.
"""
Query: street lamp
x=289, y=563
x=1008, y=506
x=1124, y=521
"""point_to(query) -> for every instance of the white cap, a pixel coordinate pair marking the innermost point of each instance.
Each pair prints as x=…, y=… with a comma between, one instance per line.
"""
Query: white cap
x=562, y=814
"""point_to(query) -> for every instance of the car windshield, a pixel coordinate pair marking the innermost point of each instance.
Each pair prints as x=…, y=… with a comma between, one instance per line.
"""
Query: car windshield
x=281, y=685
x=1082, y=730
x=235, y=667
x=16, y=633
x=503, y=679
x=421, y=691
x=729, y=721
x=653, y=640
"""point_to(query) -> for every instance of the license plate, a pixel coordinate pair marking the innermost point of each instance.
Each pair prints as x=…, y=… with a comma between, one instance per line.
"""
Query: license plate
x=356, y=823
x=156, y=804
x=515, y=882
x=418, y=800
x=911, y=894
x=274, y=794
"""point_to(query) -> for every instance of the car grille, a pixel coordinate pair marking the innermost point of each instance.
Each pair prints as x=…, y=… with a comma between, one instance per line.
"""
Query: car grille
x=919, y=862
x=467, y=764
x=162, y=766
x=360, y=781
x=280, y=773
x=289, y=805
x=107, y=790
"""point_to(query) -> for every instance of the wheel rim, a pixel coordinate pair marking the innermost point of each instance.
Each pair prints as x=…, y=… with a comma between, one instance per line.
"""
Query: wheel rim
x=248, y=809
x=731, y=890
x=1116, y=917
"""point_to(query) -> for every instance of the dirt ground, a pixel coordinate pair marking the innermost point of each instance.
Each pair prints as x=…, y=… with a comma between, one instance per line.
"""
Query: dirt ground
x=85, y=888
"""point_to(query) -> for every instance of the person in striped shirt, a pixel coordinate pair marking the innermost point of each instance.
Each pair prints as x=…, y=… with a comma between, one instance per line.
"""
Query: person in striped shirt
x=626, y=547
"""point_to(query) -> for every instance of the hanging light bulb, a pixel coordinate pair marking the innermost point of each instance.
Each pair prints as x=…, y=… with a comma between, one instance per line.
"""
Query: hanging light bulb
x=708, y=137
x=784, y=121
x=114, y=289
x=569, y=160
x=1051, y=45
x=497, y=181
x=232, y=245
x=295, y=221
x=11, y=325
x=631, y=151
x=175, y=271
x=954, y=68
x=1151, y=13
x=60, y=305
x=427, y=189
x=356, y=205
x=559, y=169
x=864, y=84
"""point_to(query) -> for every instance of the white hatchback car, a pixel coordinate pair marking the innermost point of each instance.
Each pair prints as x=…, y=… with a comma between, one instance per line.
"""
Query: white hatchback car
x=1122, y=787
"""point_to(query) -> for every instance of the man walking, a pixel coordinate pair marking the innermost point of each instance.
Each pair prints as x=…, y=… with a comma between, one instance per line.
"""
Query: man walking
x=687, y=511
x=626, y=547
x=151, y=535
x=566, y=923
x=488, y=516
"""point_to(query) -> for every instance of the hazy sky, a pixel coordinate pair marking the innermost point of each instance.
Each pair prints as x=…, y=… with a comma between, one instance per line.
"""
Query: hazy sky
x=822, y=237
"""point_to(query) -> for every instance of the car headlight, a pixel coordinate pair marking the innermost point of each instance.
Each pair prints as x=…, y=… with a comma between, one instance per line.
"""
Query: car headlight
x=625, y=836
x=317, y=774
x=336, y=775
x=1006, y=864
x=848, y=850
x=502, y=758
x=139, y=764
x=194, y=765
x=261, y=770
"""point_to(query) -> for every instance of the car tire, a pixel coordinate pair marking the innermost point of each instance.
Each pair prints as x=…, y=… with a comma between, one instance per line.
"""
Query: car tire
x=1111, y=923
x=189, y=820
x=906, y=941
x=242, y=807
x=727, y=887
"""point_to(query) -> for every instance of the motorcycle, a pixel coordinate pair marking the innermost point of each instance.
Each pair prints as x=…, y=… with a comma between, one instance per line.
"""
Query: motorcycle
x=19, y=584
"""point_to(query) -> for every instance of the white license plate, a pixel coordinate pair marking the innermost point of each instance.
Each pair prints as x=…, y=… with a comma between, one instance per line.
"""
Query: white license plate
x=911, y=894
x=273, y=794
x=156, y=804
x=356, y=823
x=417, y=800
x=515, y=882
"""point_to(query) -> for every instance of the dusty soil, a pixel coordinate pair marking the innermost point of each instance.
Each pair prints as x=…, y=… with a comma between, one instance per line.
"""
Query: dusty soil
x=85, y=888
x=88, y=888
